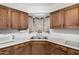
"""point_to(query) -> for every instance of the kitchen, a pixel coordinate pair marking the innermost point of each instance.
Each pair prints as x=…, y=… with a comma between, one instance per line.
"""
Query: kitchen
x=39, y=29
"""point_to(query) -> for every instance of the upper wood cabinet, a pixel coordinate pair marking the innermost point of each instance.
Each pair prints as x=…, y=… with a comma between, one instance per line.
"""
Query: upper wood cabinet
x=12, y=18
x=57, y=19
x=19, y=20
x=15, y=19
x=23, y=20
x=71, y=18
x=4, y=16
x=65, y=18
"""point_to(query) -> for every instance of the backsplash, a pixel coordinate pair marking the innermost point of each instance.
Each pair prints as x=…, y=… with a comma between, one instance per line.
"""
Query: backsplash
x=69, y=31
x=8, y=31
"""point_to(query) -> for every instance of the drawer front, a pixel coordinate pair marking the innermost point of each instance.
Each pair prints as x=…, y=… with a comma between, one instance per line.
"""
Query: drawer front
x=73, y=52
x=6, y=51
x=61, y=48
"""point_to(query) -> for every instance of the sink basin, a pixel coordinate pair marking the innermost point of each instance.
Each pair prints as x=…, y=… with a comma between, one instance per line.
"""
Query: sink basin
x=71, y=43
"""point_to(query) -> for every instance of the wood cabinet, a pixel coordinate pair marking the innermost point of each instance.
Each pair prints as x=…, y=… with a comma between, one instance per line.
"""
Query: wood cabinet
x=65, y=18
x=72, y=18
x=73, y=51
x=19, y=20
x=38, y=48
x=12, y=19
x=15, y=18
x=60, y=50
x=4, y=16
x=57, y=19
x=6, y=51
x=19, y=49
x=49, y=48
x=28, y=48
x=51, y=21
x=23, y=20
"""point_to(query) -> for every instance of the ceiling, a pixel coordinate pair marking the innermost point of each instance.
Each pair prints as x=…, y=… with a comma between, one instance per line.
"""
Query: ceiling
x=37, y=8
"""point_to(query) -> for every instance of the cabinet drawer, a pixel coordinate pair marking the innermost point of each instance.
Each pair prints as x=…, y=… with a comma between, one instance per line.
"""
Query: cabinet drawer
x=73, y=52
x=61, y=47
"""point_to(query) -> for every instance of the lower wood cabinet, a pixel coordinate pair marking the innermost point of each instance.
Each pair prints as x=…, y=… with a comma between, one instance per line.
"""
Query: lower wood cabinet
x=73, y=51
x=19, y=49
x=6, y=51
x=60, y=50
x=49, y=48
x=38, y=48
x=28, y=48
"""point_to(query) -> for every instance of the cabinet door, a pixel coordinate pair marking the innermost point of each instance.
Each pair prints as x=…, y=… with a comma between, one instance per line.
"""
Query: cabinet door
x=19, y=49
x=60, y=50
x=71, y=18
x=23, y=20
x=15, y=18
x=57, y=19
x=73, y=52
x=49, y=48
x=38, y=48
x=3, y=17
x=28, y=48
x=51, y=21
x=6, y=51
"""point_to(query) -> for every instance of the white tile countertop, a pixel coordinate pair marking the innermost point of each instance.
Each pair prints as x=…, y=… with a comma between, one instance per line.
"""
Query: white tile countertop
x=57, y=38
